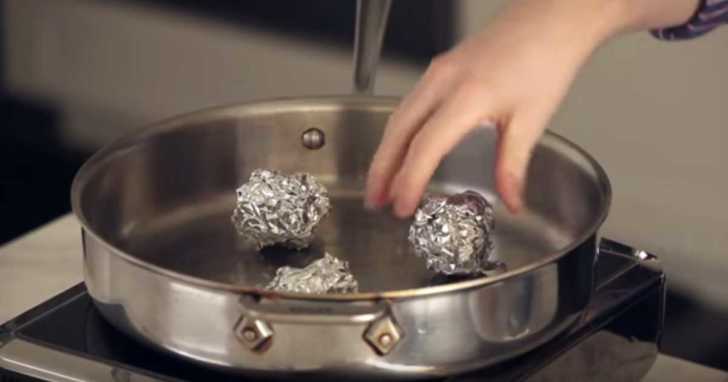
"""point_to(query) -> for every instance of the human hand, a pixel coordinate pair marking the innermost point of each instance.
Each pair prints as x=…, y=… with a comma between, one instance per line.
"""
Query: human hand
x=511, y=75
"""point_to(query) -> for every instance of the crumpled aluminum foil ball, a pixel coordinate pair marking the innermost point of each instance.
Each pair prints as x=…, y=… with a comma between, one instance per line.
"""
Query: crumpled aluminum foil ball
x=325, y=275
x=277, y=209
x=454, y=234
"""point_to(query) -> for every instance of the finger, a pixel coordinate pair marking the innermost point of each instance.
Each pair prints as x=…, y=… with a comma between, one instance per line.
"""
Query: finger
x=404, y=123
x=442, y=132
x=515, y=146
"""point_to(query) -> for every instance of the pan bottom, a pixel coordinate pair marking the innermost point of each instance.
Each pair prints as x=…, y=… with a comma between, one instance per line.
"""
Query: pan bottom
x=199, y=240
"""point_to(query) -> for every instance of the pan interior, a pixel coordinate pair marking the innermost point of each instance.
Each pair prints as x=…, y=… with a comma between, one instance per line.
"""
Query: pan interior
x=165, y=196
x=202, y=242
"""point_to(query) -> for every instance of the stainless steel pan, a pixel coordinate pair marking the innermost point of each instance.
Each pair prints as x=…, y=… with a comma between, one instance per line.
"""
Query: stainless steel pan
x=164, y=264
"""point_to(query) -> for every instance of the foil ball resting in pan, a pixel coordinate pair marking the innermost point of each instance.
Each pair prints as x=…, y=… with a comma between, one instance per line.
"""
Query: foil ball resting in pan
x=325, y=275
x=277, y=209
x=454, y=234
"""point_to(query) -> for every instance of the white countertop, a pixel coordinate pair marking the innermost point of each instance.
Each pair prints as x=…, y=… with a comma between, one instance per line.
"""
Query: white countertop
x=48, y=261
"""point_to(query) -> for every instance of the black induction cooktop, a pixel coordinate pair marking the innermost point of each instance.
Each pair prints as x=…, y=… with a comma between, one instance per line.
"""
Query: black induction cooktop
x=66, y=338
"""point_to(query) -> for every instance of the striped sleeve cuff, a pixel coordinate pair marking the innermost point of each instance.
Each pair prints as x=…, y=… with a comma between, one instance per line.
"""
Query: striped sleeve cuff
x=709, y=15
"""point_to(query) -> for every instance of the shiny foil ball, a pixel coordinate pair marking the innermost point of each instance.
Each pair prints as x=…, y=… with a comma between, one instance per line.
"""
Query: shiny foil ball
x=325, y=275
x=277, y=209
x=454, y=234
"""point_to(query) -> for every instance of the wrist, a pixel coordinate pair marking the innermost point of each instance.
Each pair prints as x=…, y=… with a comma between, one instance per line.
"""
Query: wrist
x=633, y=16
x=597, y=20
x=575, y=27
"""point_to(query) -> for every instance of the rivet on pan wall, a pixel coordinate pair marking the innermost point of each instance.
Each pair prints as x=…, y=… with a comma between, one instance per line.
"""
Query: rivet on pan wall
x=313, y=138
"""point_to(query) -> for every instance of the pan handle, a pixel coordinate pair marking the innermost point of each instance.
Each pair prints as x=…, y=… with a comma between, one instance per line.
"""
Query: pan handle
x=632, y=258
x=607, y=245
x=256, y=326
x=309, y=312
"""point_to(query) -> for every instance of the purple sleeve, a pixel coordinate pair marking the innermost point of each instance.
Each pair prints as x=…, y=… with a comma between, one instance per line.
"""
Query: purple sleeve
x=709, y=15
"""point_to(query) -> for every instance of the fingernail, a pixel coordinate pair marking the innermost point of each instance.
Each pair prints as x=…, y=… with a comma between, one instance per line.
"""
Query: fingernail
x=516, y=200
x=402, y=210
x=515, y=205
x=371, y=195
x=370, y=204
